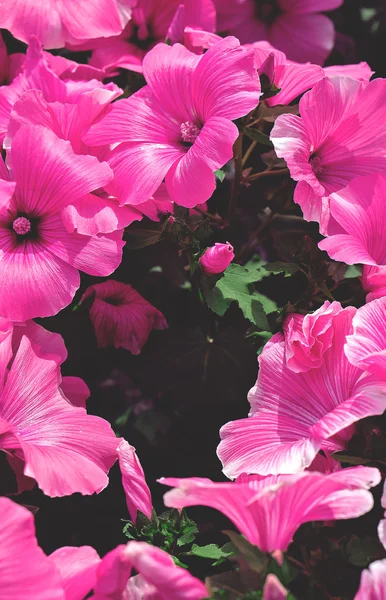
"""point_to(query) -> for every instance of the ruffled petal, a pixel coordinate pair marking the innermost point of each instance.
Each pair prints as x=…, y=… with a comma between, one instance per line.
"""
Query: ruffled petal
x=77, y=568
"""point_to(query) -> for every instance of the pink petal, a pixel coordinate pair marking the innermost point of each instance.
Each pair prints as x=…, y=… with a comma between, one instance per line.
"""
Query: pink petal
x=225, y=82
x=273, y=589
x=360, y=71
x=24, y=18
x=303, y=36
x=77, y=568
x=26, y=572
x=99, y=18
x=303, y=7
x=75, y=391
x=372, y=586
x=6, y=333
x=138, y=495
x=118, y=55
x=366, y=347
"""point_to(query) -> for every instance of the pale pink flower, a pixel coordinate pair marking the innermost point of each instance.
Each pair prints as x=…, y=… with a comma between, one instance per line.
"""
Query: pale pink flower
x=359, y=214
x=138, y=495
x=39, y=259
x=217, y=258
x=159, y=577
x=10, y=64
x=26, y=572
x=121, y=316
x=274, y=589
x=307, y=337
x=57, y=23
x=47, y=438
x=382, y=523
x=77, y=568
x=366, y=346
x=38, y=75
x=374, y=282
x=294, y=415
x=372, y=586
x=334, y=140
x=269, y=510
x=295, y=27
x=179, y=127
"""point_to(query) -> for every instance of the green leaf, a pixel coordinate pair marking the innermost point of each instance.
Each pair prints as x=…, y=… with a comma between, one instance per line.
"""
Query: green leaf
x=282, y=267
x=220, y=175
x=211, y=551
x=235, y=286
x=188, y=536
x=140, y=235
x=256, y=559
x=258, y=136
x=362, y=551
x=353, y=271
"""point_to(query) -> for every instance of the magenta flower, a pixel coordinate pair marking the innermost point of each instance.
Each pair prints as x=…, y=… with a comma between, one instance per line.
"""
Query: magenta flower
x=159, y=577
x=47, y=438
x=294, y=415
x=308, y=337
x=179, y=127
x=359, y=213
x=269, y=510
x=69, y=21
x=334, y=140
x=372, y=586
x=274, y=589
x=374, y=282
x=38, y=75
x=295, y=27
x=138, y=495
x=47, y=175
x=26, y=572
x=217, y=258
x=10, y=64
x=121, y=316
x=77, y=568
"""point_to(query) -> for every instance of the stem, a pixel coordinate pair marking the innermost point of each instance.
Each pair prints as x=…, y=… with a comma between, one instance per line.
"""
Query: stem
x=238, y=160
x=268, y=173
x=216, y=218
x=249, y=152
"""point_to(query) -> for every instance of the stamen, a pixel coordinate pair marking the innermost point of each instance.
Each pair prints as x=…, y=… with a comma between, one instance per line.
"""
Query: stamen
x=189, y=132
x=316, y=164
x=21, y=225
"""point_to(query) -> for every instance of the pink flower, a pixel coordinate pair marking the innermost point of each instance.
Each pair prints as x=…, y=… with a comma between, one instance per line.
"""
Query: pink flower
x=294, y=415
x=77, y=568
x=180, y=124
x=366, y=346
x=46, y=437
x=56, y=24
x=372, y=586
x=273, y=589
x=193, y=23
x=26, y=572
x=295, y=27
x=308, y=337
x=138, y=495
x=269, y=510
x=39, y=259
x=10, y=65
x=335, y=139
x=38, y=75
x=121, y=316
x=217, y=258
x=159, y=577
x=359, y=213
x=374, y=282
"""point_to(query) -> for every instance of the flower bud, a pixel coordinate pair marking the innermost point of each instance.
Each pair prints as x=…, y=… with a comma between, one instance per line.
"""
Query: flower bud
x=217, y=258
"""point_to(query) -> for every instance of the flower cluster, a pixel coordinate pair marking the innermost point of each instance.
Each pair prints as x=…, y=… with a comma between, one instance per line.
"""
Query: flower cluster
x=139, y=129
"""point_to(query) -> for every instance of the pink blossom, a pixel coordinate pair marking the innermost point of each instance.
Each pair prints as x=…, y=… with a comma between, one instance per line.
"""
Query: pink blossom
x=366, y=346
x=374, y=282
x=217, y=258
x=269, y=510
x=295, y=27
x=307, y=337
x=194, y=24
x=359, y=214
x=159, y=577
x=274, y=589
x=372, y=586
x=138, y=495
x=69, y=21
x=47, y=438
x=335, y=139
x=121, y=316
x=75, y=390
x=360, y=71
x=179, y=127
x=77, y=568
x=36, y=74
x=39, y=259
x=26, y=572
x=10, y=64
x=294, y=415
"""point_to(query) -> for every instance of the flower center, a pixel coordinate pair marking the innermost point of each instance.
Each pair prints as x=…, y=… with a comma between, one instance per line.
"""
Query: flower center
x=316, y=164
x=189, y=132
x=21, y=226
x=267, y=10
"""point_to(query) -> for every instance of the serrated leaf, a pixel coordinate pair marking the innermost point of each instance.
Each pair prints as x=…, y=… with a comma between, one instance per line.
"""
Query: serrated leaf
x=188, y=536
x=211, y=551
x=235, y=286
x=258, y=136
x=282, y=267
